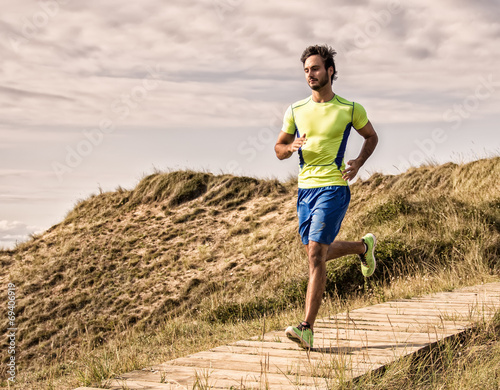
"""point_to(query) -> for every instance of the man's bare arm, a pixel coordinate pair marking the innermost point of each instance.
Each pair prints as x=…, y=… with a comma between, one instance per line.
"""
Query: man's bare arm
x=371, y=140
x=287, y=144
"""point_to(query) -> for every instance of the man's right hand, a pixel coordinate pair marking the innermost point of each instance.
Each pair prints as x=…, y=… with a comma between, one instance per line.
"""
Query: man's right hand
x=287, y=144
x=298, y=143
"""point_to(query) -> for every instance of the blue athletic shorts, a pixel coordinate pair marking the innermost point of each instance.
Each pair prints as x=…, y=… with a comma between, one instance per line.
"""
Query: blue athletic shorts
x=321, y=211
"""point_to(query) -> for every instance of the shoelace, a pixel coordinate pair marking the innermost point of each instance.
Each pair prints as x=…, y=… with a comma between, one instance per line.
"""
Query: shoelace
x=363, y=260
x=363, y=257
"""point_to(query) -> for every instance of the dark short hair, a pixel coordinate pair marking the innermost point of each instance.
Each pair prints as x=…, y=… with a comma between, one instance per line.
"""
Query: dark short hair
x=325, y=52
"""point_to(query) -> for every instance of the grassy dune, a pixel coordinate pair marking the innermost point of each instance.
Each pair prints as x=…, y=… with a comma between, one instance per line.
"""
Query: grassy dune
x=189, y=260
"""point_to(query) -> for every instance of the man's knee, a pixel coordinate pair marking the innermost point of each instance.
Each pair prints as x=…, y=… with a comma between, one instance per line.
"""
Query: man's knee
x=317, y=253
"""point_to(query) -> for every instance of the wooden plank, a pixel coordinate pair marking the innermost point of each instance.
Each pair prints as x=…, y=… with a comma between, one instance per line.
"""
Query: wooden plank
x=451, y=301
x=387, y=330
x=300, y=368
x=390, y=324
x=236, y=375
x=337, y=335
x=400, y=314
x=455, y=299
x=371, y=355
x=421, y=303
x=88, y=388
x=131, y=384
x=309, y=355
x=371, y=339
x=328, y=344
x=186, y=377
x=476, y=307
x=420, y=327
x=271, y=364
x=355, y=334
x=423, y=328
x=492, y=286
x=466, y=313
x=385, y=335
x=400, y=318
x=420, y=310
x=341, y=347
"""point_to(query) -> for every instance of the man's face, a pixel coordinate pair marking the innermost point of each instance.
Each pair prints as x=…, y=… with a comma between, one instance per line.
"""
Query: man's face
x=316, y=74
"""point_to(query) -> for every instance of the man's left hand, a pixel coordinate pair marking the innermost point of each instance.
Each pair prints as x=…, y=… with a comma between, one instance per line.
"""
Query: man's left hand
x=352, y=169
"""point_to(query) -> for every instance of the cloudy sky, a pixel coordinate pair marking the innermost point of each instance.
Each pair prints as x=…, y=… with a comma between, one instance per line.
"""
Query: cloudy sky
x=94, y=95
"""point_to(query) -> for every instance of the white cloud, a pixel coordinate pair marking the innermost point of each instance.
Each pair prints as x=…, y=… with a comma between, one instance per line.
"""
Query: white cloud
x=88, y=55
x=13, y=232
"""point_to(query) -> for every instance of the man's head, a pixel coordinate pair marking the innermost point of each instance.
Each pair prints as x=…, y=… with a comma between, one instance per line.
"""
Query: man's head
x=314, y=55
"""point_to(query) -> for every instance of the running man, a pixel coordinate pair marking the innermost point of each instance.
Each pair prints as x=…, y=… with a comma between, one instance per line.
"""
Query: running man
x=317, y=128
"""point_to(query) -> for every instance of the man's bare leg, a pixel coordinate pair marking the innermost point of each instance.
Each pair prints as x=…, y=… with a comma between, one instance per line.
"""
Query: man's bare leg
x=317, y=279
x=318, y=255
x=344, y=248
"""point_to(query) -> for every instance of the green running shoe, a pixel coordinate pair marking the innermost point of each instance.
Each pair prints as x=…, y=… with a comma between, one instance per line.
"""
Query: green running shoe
x=302, y=335
x=368, y=262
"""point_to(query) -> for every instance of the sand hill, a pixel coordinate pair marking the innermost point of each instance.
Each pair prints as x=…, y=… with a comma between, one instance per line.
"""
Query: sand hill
x=223, y=249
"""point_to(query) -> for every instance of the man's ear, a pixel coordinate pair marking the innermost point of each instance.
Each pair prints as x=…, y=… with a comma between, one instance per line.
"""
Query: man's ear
x=330, y=72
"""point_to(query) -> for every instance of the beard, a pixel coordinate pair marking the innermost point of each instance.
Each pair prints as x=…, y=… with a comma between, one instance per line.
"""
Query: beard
x=321, y=83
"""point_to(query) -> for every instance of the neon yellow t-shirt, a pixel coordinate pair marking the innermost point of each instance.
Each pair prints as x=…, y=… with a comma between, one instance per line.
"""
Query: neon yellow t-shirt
x=327, y=127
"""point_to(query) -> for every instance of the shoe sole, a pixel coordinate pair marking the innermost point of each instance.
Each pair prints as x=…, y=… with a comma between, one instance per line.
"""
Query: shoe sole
x=296, y=339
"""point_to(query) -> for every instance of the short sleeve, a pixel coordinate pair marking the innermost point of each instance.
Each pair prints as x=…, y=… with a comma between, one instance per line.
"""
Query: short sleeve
x=288, y=122
x=359, y=117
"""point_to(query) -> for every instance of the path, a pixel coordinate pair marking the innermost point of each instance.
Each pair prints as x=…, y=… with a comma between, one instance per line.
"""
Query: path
x=347, y=345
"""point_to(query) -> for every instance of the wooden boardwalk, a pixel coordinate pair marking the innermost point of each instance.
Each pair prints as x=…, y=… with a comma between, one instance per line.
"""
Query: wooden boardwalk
x=347, y=345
